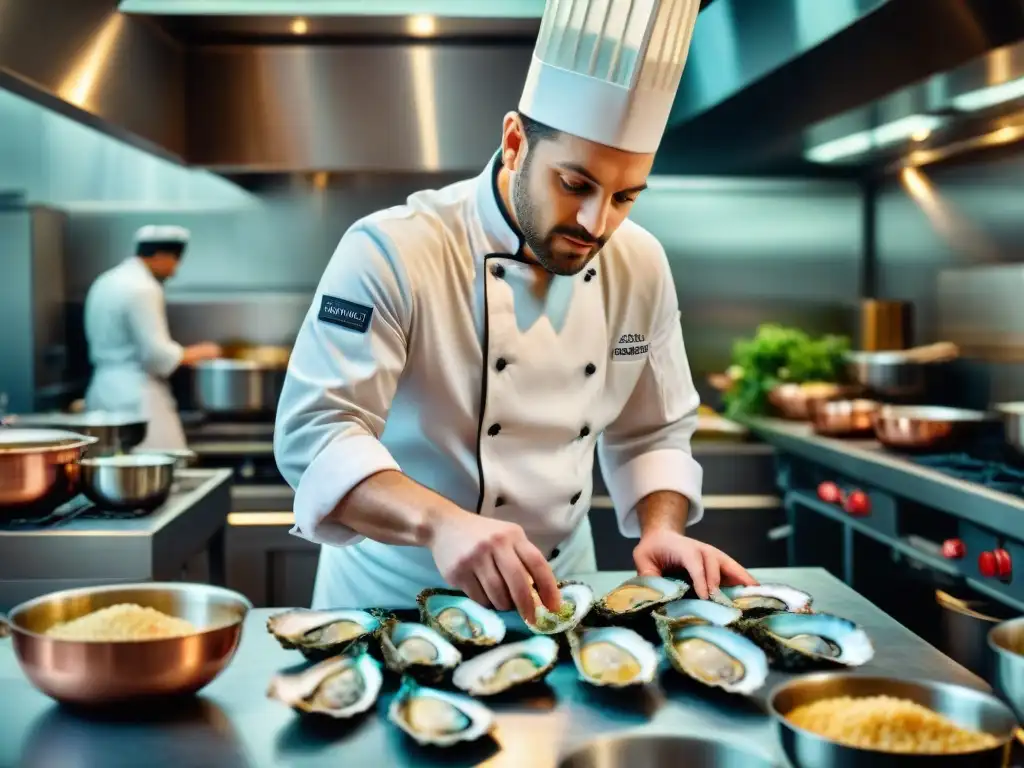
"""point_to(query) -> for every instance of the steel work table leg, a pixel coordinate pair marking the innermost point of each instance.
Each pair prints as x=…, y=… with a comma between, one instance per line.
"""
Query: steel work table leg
x=216, y=554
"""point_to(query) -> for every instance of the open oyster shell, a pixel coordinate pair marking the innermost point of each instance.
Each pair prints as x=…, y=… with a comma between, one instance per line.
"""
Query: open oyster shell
x=763, y=599
x=612, y=656
x=321, y=634
x=461, y=621
x=695, y=611
x=417, y=650
x=715, y=656
x=440, y=718
x=339, y=687
x=507, y=666
x=796, y=641
x=577, y=600
x=638, y=595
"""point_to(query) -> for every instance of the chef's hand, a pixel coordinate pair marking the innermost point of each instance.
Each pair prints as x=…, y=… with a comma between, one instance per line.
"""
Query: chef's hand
x=493, y=562
x=205, y=350
x=666, y=550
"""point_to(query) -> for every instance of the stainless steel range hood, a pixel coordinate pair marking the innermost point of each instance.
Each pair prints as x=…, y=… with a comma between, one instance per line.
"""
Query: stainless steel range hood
x=324, y=88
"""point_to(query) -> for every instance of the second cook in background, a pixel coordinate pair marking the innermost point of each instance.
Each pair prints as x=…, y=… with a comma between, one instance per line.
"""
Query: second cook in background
x=465, y=352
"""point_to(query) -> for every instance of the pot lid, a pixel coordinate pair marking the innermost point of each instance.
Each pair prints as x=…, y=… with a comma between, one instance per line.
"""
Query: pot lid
x=33, y=440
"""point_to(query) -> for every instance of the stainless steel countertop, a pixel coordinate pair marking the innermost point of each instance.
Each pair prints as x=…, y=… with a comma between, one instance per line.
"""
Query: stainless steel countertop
x=232, y=723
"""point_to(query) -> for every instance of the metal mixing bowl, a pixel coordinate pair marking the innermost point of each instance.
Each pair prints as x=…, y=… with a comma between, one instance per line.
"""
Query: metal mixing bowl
x=40, y=464
x=100, y=673
x=889, y=374
x=967, y=707
x=116, y=432
x=916, y=427
x=843, y=418
x=1006, y=640
x=131, y=481
x=656, y=751
x=1013, y=424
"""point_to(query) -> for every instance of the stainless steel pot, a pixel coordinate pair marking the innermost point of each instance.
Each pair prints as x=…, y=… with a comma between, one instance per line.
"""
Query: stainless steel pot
x=920, y=427
x=1013, y=424
x=655, y=751
x=1006, y=640
x=38, y=465
x=900, y=374
x=128, y=482
x=115, y=432
x=246, y=381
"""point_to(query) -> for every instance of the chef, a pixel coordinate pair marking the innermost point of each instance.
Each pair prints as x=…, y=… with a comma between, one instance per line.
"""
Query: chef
x=130, y=348
x=466, y=352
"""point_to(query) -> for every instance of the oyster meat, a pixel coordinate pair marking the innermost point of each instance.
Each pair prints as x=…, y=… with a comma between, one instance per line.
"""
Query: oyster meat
x=339, y=687
x=431, y=716
x=320, y=634
x=694, y=611
x=417, y=650
x=796, y=640
x=715, y=656
x=640, y=594
x=507, y=666
x=613, y=656
x=577, y=600
x=763, y=599
x=460, y=620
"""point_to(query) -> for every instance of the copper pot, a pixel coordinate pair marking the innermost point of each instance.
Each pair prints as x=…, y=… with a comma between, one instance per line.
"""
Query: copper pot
x=844, y=418
x=797, y=401
x=921, y=427
x=103, y=673
x=38, y=464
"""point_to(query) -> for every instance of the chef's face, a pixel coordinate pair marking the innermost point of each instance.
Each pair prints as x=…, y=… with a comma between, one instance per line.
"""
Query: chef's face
x=163, y=265
x=569, y=195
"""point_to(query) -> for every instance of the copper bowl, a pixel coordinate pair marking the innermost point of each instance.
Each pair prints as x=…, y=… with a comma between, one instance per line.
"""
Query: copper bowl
x=96, y=673
x=38, y=464
x=927, y=427
x=844, y=418
x=796, y=401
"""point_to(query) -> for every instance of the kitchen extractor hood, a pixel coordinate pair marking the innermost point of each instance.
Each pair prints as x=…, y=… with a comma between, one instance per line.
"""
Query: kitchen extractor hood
x=268, y=86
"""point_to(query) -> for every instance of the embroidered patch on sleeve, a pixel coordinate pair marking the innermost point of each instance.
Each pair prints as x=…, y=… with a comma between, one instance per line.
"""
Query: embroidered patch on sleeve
x=347, y=314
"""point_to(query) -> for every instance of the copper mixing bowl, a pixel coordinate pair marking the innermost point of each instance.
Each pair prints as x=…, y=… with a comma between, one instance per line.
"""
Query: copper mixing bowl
x=38, y=464
x=103, y=673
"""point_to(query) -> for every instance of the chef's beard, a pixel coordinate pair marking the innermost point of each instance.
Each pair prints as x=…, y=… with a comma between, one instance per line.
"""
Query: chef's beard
x=540, y=243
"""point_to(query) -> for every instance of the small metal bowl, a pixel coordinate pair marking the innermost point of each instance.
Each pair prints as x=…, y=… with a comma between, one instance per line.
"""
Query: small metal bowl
x=967, y=707
x=105, y=673
x=927, y=427
x=797, y=401
x=129, y=481
x=1006, y=640
x=655, y=751
x=844, y=418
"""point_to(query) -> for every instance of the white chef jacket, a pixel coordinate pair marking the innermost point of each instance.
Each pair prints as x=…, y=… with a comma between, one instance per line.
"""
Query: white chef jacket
x=427, y=350
x=132, y=352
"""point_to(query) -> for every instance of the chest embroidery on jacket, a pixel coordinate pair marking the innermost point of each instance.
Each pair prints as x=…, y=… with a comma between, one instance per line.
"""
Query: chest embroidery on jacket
x=630, y=346
x=347, y=314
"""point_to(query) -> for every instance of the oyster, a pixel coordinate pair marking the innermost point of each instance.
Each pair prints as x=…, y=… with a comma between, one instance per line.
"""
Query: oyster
x=417, y=650
x=640, y=594
x=459, y=619
x=795, y=640
x=320, y=634
x=763, y=599
x=680, y=612
x=507, y=666
x=613, y=656
x=438, y=717
x=715, y=656
x=339, y=687
x=577, y=600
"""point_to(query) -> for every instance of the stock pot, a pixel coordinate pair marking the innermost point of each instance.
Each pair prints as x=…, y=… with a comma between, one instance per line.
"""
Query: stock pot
x=40, y=465
x=246, y=380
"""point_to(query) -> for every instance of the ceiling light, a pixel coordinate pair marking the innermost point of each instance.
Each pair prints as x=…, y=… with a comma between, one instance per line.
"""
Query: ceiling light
x=882, y=136
x=299, y=27
x=422, y=26
x=983, y=98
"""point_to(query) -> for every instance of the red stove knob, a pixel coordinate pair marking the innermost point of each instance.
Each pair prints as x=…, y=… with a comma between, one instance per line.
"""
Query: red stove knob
x=858, y=504
x=953, y=549
x=829, y=493
x=995, y=564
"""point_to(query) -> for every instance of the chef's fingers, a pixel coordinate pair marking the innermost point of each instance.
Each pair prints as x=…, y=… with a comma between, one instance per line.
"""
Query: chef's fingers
x=493, y=584
x=646, y=565
x=694, y=563
x=471, y=586
x=734, y=573
x=712, y=575
x=517, y=581
x=543, y=577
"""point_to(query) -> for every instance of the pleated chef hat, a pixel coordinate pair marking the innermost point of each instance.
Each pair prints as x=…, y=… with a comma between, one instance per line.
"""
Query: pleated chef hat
x=608, y=70
x=153, y=233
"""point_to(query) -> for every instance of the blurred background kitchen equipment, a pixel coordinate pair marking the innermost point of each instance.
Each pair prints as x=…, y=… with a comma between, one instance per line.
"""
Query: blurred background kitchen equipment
x=137, y=481
x=965, y=622
x=967, y=707
x=885, y=325
x=796, y=401
x=246, y=381
x=900, y=374
x=844, y=418
x=96, y=673
x=918, y=427
x=115, y=432
x=1013, y=424
x=39, y=465
x=1006, y=641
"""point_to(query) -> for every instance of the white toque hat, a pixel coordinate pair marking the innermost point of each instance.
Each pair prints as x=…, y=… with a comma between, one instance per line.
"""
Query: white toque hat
x=162, y=234
x=608, y=70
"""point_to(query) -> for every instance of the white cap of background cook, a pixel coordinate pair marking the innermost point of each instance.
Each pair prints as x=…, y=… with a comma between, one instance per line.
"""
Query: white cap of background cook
x=608, y=70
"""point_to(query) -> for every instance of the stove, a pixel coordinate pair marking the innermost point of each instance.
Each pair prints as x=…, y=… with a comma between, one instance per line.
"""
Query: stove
x=39, y=517
x=246, y=448
x=990, y=464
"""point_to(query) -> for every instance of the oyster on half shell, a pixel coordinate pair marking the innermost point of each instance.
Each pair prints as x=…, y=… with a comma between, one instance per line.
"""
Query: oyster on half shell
x=695, y=611
x=638, y=595
x=715, y=656
x=763, y=599
x=577, y=600
x=339, y=687
x=417, y=650
x=440, y=718
x=799, y=640
x=321, y=634
x=460, y=620
x=612, y=656
x=507, y=666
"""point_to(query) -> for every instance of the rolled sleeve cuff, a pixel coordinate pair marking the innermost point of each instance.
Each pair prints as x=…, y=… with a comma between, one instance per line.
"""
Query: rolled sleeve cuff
x=662, y=470
x=332, y=474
